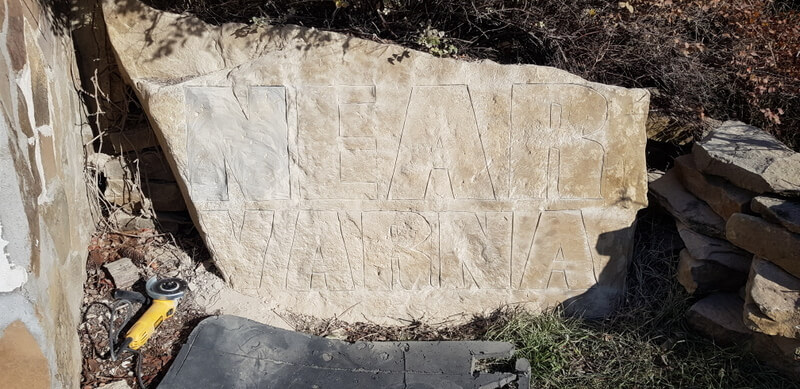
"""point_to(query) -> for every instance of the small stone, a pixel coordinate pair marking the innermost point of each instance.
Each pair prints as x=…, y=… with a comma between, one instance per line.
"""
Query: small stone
x=653, y=175
x=685, y=207
x=703, y=276
x=122, y=192
x=722, y=196
x=127, y=222
x=123, y=272
x=132, y=139
x=115, y=385
x=773, y=298
x=719, y=316
x=706, y=248
x=780, y=211
x=767, y=240
x=749, y=158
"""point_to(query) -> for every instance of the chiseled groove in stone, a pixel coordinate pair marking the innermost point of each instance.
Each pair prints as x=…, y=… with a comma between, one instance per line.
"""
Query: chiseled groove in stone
x=427, y=187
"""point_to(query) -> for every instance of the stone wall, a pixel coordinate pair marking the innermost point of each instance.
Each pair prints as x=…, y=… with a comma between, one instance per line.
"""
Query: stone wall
x=45, y=220
x=335, y=176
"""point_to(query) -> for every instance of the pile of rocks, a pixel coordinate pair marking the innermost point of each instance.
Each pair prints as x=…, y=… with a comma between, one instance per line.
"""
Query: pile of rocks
x=136, y=182
x=736, y=201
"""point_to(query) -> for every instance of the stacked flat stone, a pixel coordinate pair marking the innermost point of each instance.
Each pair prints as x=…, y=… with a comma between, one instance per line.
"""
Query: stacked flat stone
x=139, y=183
x=736, y=200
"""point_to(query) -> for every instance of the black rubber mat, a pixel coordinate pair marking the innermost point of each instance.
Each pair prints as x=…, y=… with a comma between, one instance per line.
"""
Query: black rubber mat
x=233, y=352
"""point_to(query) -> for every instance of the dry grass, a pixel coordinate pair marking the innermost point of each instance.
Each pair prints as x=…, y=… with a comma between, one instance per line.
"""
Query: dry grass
x=646, y=343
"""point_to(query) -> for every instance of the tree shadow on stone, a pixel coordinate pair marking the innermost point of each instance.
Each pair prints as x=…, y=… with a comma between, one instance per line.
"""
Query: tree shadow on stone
x=184, y=27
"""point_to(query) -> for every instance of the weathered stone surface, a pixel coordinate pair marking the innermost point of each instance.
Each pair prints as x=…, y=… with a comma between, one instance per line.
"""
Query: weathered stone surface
x=704, y=276
x=719, y=317
x=685, y=207
x=45, y=212
x=722, y=196
x=749, y=158
x=336, y=176
x=773, y=300
x=706, y=248
x=781, y=211
x=127, y=222
x=123, y=272
x=765, y=239
x=127, y=180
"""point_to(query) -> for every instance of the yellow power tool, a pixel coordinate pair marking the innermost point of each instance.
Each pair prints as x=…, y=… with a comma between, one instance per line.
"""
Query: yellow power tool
x=165, y=294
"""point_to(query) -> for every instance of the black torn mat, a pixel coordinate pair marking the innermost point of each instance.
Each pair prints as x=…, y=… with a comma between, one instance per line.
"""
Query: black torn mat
x=234, y=352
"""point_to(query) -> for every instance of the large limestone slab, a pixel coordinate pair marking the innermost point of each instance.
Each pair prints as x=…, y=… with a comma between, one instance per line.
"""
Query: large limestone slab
x=765, y=239
x=336, y=176
x=686, y=207
x=772, y=300
x=722, y=196
x=750, y=158
x=781, y=211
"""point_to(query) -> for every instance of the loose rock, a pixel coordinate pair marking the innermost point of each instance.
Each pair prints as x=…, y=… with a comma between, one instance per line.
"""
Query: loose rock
x=722, y=196
x=703, y=276
x=768, y=240
x=123, y=272
x=719, y=316
x=749, y=158
x=685, y=207
x=773, y=298
x=706, y=248
x=780, y=211
x=115, y=385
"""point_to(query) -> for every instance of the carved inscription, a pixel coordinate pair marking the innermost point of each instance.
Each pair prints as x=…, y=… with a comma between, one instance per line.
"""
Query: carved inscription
x=417, y=233
x=337, y=142
x=318, y=258
x=559, y=254
x=477, y=251
x=242, y=141
x=242, y=239
x=552, y=153
x=401, y=250
x=408, y=251
x=440, y=142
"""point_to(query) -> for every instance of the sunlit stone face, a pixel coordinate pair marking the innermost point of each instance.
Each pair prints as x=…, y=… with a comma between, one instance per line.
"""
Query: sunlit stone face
x=331, y=181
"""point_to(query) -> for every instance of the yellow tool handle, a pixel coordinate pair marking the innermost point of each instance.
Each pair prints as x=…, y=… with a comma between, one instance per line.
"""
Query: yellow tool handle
x=143, y=329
